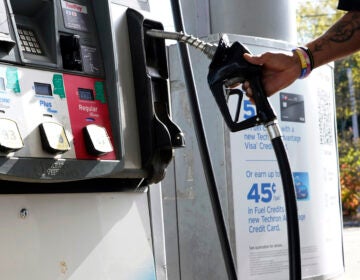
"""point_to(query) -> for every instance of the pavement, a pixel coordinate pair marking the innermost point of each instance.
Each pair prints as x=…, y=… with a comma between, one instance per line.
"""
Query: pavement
x=351, y=251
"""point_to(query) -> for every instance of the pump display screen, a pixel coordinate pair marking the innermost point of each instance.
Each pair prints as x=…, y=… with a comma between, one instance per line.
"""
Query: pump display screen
x=86, y=94
x=43, y=89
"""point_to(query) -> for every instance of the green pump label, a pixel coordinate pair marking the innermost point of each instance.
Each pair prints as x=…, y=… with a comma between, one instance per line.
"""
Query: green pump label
x=100, y=92
x=12, y=78
x=58, y=84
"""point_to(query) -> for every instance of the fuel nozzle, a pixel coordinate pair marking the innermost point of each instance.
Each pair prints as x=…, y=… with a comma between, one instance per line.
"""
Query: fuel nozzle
x=227, y=69
x=205, y=47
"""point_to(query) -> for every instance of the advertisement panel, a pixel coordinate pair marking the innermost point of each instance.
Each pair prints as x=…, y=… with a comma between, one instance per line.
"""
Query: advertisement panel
x=306, y=114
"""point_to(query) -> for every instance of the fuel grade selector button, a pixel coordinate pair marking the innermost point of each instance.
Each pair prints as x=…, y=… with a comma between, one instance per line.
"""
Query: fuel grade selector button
x=97, y=140
x=10, y=138
x=53, y=138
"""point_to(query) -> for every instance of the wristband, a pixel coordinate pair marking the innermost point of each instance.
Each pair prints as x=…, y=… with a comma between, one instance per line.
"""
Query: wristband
x=311, y=57
x=305, y=61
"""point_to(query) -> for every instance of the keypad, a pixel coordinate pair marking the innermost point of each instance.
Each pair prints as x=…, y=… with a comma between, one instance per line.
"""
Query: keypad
x=29, y=41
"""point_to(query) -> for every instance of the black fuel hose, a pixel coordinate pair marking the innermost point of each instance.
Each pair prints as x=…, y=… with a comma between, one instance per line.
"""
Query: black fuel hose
x=291, y=209
x=203, y=147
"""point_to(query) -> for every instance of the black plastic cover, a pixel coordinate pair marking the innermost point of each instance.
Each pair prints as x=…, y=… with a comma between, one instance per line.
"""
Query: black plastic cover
x=158, y=133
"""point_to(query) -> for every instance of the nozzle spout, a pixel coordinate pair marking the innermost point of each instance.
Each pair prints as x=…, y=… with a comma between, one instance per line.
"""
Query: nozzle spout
x=207, y=48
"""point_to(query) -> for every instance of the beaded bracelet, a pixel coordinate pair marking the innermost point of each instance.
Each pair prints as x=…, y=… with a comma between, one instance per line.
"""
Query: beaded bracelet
x=306, y=61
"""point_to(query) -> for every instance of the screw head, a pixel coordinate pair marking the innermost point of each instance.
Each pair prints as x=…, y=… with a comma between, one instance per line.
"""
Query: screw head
x=24, y=213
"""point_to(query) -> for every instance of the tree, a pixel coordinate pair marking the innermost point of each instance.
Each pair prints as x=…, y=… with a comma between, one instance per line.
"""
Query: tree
x=314, y=18
x=349, y=160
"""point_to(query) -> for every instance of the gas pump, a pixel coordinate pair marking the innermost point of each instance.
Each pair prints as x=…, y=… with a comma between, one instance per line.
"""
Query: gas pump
x=80, y=143
x=68, y=111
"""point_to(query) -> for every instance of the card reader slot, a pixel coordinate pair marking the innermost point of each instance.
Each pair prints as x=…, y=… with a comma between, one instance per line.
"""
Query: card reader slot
x=71, y=52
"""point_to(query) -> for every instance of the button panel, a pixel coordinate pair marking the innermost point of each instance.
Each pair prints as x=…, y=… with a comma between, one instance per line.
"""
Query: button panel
x=29, y=41
x=10, y=138
x=53, y=138
x=97, y=140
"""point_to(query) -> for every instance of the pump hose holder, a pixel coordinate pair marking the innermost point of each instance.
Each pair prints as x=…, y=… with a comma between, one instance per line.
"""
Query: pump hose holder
x=158, y=134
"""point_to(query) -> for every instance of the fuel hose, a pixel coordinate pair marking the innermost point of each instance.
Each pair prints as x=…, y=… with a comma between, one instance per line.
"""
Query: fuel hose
x=293, y=232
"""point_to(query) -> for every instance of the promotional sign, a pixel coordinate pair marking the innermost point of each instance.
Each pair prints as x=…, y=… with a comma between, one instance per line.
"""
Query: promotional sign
x=306, y=114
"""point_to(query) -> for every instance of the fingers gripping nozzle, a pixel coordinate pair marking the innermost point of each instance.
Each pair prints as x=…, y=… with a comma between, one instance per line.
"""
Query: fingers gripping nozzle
x=227, y=69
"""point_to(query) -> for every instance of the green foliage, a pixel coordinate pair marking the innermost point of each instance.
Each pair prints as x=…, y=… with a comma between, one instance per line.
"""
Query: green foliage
x=313, y=19
x=349, y=153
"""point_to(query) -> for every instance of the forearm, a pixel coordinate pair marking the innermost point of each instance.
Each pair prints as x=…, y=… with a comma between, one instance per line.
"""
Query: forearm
x=341, y=40
x=280, y=70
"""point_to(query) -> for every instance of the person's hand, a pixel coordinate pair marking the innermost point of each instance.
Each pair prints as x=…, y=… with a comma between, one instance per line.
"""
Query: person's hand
x=279, y=70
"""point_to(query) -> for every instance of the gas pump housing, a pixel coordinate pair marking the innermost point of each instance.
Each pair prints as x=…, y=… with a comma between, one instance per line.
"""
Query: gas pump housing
x=68, y=106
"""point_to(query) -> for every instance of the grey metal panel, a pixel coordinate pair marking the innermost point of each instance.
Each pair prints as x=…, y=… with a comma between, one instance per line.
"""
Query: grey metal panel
x=196, y=15
x=171, y=223
x=274, y=19
x=62, y=236
x=135, y=4
x=200, y=254
x=157, y=230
